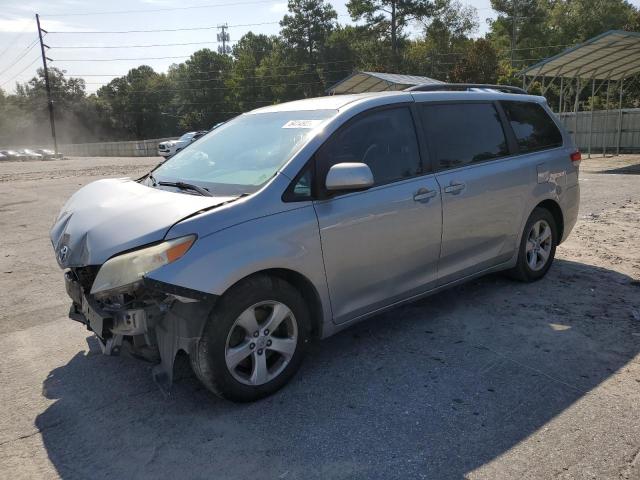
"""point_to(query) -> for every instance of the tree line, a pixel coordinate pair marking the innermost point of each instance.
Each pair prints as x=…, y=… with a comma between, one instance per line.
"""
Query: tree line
x=312, y=52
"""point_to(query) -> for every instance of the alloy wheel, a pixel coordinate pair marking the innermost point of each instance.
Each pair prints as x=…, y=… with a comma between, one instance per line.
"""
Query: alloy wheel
x=261, y=342
x=539, y=243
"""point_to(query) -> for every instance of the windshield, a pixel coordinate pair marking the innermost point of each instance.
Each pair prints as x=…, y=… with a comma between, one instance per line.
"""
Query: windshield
x=244, y=153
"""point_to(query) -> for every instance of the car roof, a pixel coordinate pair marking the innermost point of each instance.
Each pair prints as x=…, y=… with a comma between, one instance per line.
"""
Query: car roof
x=336, y=102
x=330, y=102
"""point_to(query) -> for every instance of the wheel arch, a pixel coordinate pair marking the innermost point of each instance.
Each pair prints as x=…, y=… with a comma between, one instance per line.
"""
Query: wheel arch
x=554, y=208
x=306, y=288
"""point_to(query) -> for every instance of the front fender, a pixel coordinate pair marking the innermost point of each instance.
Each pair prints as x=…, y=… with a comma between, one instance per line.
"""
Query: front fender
x=286, y=240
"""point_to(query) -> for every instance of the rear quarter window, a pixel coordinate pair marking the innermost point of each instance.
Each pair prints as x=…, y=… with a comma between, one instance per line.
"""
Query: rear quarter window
x=463, y=133
x=533, y=127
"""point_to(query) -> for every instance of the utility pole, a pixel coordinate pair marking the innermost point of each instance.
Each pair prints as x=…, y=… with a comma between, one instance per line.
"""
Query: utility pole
x=224, y=38
x=514, y=32
x=52, y=119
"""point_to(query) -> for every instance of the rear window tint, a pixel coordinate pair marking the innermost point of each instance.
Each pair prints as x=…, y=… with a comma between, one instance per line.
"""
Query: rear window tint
x=532, y=126
x=463, y=133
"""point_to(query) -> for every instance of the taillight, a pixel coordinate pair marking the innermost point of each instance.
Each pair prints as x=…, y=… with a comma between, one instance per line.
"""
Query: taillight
x=575, y=158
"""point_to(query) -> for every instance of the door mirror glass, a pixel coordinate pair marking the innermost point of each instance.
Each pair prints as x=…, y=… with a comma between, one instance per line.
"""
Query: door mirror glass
x=349, y=176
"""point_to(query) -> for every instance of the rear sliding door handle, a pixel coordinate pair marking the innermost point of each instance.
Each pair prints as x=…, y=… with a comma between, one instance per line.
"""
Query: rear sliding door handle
x=454, y=188
x=424, y=194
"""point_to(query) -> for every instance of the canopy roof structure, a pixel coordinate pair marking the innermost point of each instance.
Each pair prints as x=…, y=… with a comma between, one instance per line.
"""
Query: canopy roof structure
x=612, y=55
x=360, y=82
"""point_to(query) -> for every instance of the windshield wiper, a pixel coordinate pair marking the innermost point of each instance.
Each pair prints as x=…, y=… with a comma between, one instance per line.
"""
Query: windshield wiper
x=185, y=186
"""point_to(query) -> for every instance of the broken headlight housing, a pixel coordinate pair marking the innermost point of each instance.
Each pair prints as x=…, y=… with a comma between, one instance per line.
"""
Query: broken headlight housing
x=128, y=268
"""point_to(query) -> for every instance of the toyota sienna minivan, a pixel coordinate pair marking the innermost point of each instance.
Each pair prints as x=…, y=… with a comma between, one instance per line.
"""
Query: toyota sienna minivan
x=294, y=221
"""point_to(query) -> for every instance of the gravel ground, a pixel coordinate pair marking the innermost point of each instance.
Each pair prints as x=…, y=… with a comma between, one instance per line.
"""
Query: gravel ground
x=493, y=379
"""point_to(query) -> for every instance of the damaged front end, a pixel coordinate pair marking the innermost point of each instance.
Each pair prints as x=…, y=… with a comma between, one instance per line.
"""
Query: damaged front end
x=108, y=237
x=149, y=319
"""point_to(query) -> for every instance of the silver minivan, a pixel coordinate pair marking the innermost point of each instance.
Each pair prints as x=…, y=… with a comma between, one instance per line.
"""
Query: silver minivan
x=294, y=221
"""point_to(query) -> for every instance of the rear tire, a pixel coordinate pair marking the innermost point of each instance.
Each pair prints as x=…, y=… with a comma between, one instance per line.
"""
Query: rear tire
x=235, y=363
x=537, y=247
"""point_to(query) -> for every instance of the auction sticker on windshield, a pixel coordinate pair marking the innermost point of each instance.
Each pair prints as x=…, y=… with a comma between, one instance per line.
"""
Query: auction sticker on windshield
x=302, y=123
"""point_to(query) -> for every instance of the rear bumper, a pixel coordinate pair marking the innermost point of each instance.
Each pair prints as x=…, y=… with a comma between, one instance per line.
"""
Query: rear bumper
x=570, y=204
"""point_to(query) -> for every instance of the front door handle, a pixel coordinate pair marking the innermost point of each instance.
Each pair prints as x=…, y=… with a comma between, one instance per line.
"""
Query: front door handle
x=424, y=194
x=455, y=188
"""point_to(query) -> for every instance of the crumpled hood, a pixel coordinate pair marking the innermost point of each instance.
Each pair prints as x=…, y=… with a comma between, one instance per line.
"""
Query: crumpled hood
x=109, y=216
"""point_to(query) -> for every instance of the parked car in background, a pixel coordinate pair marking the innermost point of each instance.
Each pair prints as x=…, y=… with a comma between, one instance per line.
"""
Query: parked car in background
x=13, y=154
x=48, y=154
x=294, y=221
x=171, y=147
x=3, y=156
x=31, y=154
x=199, y=134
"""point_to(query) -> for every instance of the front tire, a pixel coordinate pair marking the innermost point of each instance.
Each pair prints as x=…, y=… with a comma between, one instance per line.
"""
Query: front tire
x=254, y=340
x=537, y=247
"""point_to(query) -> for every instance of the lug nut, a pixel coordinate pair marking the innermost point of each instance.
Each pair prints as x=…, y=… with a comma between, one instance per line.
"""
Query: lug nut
x=266, y=332
x=268, y=343
x=252, y=346
x=259, y=351
x=256, y=333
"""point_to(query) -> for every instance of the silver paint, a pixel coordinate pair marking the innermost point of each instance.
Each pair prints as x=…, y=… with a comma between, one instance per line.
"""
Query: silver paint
x=362, y=252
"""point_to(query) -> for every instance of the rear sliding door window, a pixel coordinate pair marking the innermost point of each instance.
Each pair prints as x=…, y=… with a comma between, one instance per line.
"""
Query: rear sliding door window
x=463, y=133
x=533, y=128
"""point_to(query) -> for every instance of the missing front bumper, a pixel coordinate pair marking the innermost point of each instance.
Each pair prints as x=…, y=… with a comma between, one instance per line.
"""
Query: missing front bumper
x=108, y=322
x=155, y=331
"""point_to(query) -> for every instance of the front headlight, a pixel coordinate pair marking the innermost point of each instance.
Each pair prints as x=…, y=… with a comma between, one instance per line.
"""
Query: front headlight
x=129, y=268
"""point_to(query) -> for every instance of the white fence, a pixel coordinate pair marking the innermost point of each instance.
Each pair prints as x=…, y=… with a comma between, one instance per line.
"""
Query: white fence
x=606, y=134
x=136, y=148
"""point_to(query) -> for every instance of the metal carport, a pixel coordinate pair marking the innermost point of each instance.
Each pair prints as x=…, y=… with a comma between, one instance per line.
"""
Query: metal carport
x=360, y=82
x=613, y=56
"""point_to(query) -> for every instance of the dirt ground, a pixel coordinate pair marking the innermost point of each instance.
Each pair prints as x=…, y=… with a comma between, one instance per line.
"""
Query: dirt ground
x=492, y=380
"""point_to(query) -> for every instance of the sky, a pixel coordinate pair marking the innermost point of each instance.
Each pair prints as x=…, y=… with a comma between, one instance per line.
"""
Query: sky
x=83, y=23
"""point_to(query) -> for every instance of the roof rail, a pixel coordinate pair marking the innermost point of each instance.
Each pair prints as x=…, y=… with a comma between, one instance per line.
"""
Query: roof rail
x=443, y=87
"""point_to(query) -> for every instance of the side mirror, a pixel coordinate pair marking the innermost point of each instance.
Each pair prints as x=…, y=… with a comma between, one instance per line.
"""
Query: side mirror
x=349, y=176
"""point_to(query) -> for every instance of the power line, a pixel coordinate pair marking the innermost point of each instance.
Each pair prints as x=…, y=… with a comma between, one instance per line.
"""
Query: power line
x=117, y=59
x=166, y=9
x=172, y=9
x=217, y=71
x=207, y=88
x=20, y=72
x=20, y=56
x=14, y=39
x=224, y=77
x=504, y=50
x=184, y=29
x=132, y=46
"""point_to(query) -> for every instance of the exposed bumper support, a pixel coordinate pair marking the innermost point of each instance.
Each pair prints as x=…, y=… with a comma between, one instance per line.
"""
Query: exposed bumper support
x=158, y=329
